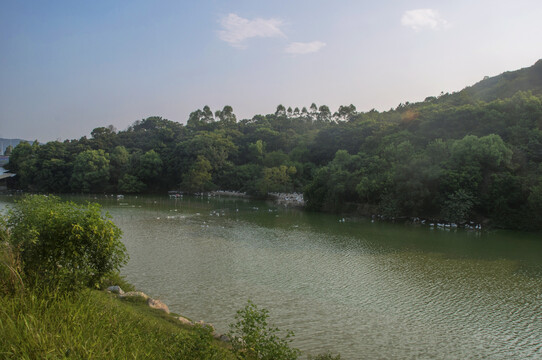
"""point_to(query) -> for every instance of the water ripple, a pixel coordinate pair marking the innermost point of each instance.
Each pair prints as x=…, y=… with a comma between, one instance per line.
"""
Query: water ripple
x=364, y=290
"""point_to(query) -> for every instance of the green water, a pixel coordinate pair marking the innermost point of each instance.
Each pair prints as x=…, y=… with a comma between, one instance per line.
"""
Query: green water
x=366, y=290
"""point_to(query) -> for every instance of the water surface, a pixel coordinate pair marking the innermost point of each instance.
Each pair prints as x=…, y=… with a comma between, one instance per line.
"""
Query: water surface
x=366, y=290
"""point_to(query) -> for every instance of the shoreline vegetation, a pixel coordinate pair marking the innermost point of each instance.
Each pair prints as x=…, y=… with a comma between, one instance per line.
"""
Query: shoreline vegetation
x=296, y=200
x=61, y=296
x=470, y=157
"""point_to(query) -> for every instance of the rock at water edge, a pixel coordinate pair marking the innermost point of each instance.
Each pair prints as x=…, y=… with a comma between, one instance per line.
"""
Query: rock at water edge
x=115, y=290
x=157, y=304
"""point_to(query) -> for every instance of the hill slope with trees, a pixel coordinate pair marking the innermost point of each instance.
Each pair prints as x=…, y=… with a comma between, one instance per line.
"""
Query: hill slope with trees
x=474, y=155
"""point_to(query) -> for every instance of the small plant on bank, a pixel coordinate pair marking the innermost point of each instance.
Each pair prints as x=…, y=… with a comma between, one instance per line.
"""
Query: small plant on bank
x=11, y=281
x=64, y=245
x=253, y=338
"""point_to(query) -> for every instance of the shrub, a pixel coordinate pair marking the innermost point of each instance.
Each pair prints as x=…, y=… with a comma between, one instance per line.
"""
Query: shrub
x=64, y=245
x=253, y=338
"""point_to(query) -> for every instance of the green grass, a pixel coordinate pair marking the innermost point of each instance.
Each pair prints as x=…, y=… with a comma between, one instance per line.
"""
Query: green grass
x=97, y=325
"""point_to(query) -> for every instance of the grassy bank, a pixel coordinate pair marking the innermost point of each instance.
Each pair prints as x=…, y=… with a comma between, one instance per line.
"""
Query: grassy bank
x=95, y=324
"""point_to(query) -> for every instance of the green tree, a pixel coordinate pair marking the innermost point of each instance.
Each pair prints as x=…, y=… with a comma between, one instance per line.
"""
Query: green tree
x=90, y=171
x=207, y=114
x=226, y=116
x=53, y=175
x=281, y=110
x=485, y=152
x=199, y=177
x=215, y=146
x=315, y=192
x=458, y=207
x=52, y=168
x=22, y=162
x=119, y=163
x=335, y=184
x=104, y=137
x=242, y=178
x=324, y=114
x=131, y=184
x=253, y=337
x=200, y=119
x=275, y=158
x=345, y=113
x=289, y=111
x=471, y=166
x=150, y=167
x=376, y=179
x=504, y=199
x=256, y=152
x=276, y=179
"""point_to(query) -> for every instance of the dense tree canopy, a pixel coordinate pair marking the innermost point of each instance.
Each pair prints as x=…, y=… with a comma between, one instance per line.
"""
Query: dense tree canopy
x=452, y=157
x=90, y=171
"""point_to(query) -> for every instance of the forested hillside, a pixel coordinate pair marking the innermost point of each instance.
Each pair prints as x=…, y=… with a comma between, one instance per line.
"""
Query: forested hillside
x=471, y=155
x=507, y=84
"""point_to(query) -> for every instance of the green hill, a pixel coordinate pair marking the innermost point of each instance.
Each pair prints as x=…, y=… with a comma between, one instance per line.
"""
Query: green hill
x=507, y=84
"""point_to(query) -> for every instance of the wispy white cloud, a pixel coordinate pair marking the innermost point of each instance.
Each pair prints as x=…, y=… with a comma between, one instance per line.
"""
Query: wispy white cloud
x=423, y=19
x=304, y=47
x=235, y=29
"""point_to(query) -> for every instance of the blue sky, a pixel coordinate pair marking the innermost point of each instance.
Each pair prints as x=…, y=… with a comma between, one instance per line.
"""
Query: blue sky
x=67, y=67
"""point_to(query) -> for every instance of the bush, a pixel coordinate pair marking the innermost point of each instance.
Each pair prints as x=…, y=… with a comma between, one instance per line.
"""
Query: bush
x=252, y=337
x=64, y=245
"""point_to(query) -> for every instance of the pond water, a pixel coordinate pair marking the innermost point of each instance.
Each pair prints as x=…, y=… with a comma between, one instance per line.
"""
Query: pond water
x=361, y=289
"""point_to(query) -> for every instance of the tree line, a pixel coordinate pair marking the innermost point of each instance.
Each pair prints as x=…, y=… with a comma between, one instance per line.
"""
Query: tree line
x=450, y=157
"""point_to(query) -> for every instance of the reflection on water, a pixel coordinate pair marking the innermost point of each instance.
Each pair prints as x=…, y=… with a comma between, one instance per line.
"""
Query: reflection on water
x=366, y=290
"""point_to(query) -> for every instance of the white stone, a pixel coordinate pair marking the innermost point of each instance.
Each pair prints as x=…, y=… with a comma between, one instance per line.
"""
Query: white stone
x=115, y=289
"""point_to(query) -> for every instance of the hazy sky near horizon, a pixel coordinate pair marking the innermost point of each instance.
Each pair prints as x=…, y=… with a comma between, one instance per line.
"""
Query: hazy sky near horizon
x=67, y=67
